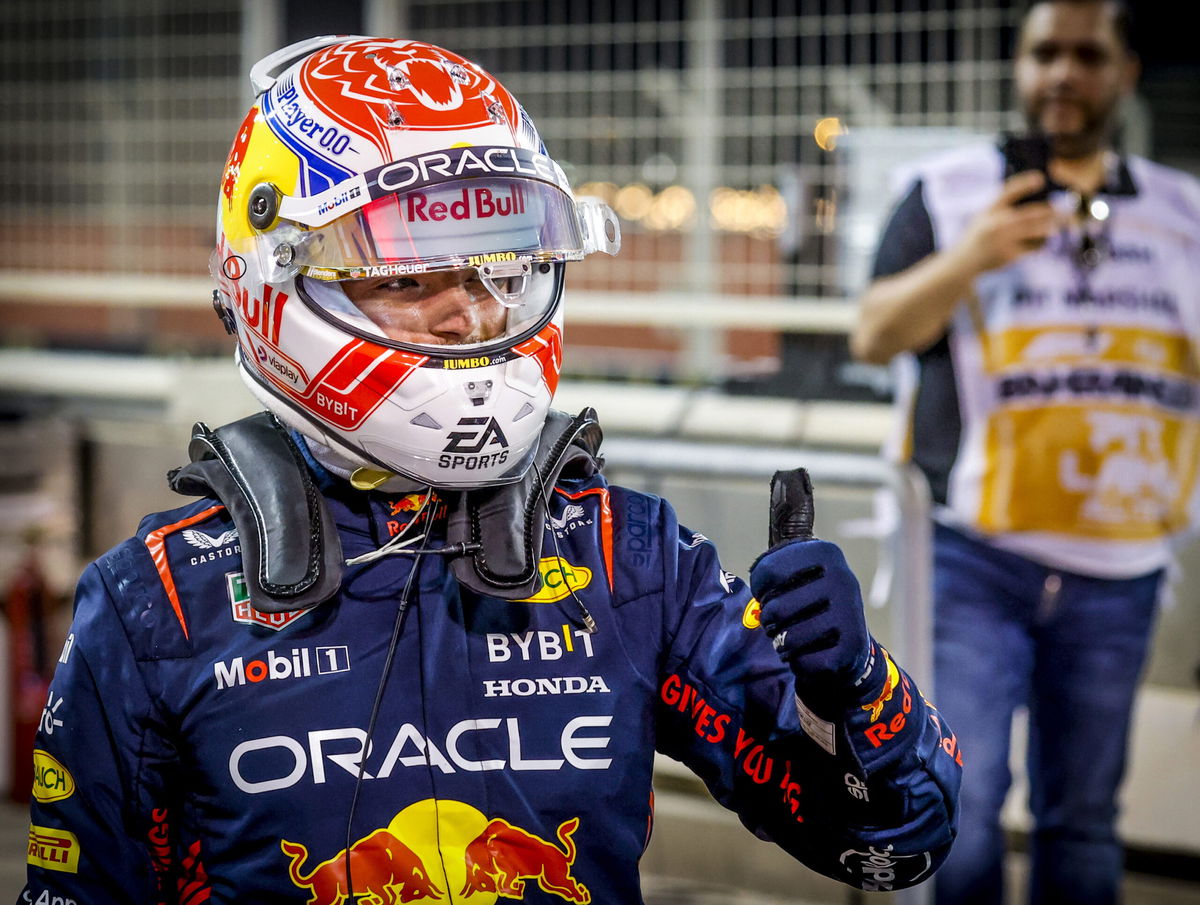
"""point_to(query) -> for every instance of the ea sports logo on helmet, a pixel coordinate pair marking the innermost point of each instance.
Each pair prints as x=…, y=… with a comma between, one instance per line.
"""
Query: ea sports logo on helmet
x=481, y=446
x=481, y=432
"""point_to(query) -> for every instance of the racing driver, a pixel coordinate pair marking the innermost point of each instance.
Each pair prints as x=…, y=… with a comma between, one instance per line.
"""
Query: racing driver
x=407, y=643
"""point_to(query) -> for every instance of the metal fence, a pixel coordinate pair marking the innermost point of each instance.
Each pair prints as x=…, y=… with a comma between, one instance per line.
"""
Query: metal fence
x=709, y=123
x=741, y=141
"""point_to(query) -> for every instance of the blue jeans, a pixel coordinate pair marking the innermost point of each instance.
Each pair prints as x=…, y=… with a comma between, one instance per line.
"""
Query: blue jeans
x=1010, y=632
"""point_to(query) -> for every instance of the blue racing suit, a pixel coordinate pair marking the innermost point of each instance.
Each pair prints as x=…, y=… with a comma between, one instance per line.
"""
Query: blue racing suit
x=196, y=750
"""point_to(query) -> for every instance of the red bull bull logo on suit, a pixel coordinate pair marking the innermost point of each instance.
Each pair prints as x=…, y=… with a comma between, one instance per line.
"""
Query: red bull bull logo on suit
x=442, y=851
x=380, y=865
x=503, y=857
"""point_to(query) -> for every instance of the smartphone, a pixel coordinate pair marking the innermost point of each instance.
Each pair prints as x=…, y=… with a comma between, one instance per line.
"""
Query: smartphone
x=1028, y=152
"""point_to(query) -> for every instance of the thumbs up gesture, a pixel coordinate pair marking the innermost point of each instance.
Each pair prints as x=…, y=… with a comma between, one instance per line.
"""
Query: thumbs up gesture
x=811, y=605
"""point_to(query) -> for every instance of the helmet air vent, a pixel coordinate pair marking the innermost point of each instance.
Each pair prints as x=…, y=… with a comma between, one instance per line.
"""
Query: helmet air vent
x=424, y=419
x=397, y=78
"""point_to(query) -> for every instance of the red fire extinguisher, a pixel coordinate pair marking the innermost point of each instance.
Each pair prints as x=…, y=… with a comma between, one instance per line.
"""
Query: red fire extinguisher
x=27, y=605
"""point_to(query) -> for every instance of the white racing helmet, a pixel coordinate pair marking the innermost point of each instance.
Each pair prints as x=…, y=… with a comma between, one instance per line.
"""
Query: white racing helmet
x=368, y=158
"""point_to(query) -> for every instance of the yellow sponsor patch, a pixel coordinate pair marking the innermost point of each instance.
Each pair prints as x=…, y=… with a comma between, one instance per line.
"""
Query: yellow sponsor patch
x=752, y=615
x=1104, y=471
x=51, y=780
x=559, y=578
x=53, y=849
x=1073, y=344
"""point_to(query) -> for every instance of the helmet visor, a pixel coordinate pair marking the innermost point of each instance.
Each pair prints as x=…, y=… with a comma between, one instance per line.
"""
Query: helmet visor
x=437, y=314
x=477, y=222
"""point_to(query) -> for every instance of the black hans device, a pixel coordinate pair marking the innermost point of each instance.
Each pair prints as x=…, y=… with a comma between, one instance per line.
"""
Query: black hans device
x=1028, y=152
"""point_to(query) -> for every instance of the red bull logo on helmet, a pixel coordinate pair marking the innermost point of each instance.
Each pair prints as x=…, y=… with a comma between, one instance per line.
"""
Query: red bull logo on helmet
x=468, y=204
x=442, y=851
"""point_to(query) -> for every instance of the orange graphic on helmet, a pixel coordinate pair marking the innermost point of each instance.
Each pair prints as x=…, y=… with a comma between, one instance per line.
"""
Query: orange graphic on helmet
x=503, y=857
x=383, y=869
x=890, y=684
x=414, y=84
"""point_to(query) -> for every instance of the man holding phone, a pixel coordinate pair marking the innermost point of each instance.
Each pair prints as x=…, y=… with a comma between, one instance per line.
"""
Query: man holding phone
x=1048, y=293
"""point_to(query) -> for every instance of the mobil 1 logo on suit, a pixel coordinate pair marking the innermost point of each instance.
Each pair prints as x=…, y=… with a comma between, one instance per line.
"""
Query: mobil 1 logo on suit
x=296, y=663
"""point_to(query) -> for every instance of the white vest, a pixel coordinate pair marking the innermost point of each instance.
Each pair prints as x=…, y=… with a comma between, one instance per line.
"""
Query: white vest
x=1079, y=390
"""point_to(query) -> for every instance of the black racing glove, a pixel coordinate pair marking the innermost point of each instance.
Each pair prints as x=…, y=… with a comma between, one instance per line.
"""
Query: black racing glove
x=811, y=606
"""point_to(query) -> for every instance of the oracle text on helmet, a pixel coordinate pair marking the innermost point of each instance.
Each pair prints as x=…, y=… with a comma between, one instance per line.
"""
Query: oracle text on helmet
x=441, y=166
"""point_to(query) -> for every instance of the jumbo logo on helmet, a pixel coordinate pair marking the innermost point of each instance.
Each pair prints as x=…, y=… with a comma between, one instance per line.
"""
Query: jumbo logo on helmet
x=426, y=87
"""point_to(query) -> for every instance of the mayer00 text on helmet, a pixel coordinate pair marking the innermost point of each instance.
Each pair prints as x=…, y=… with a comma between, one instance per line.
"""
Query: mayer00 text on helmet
x=368, y=158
